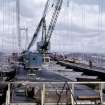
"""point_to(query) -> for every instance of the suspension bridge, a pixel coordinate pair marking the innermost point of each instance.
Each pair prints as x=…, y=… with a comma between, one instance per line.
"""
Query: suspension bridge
x=80, y=28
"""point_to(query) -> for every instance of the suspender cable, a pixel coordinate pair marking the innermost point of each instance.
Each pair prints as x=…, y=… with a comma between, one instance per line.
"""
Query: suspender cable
x=9, y=27
x=99, y=17
x=71, y=19
x=18, y=23
x=101, y=30
x=12, y=24
x=4, y=29
x=3, y=24
x=13, y=29
x=101, y=20
x=2, y=8
x=83, y=16
x=83, y=25
x=67, y=20
x=99, y=23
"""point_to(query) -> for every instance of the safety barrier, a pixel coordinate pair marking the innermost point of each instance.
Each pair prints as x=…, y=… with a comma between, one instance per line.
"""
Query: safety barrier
x=74, y=93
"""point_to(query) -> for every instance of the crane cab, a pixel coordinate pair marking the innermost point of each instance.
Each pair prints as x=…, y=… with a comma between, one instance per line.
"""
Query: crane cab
x=33, y=60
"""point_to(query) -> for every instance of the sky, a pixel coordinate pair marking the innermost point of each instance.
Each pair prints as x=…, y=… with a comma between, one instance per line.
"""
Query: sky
x=80, y=26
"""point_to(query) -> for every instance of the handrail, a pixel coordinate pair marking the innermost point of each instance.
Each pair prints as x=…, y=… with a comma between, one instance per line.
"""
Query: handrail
x=71, y=89
x=71, y=82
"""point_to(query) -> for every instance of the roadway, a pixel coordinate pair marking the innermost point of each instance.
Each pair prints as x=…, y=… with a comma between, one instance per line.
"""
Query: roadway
x=97, y=71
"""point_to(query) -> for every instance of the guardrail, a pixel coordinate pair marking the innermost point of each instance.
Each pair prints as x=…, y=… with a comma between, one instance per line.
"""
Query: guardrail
x=73, y=87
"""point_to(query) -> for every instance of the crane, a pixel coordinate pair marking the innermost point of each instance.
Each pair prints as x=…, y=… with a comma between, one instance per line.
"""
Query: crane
x=33, y=60
x=46, y=34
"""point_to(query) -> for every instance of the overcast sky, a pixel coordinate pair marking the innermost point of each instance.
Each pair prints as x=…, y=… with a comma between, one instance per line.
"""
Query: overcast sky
x=80, y=26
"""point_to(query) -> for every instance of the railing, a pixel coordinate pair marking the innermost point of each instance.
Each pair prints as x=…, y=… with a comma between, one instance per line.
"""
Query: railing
x=59, y=87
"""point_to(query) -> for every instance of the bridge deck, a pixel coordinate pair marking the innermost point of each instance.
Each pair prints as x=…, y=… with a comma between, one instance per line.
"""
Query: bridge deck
x=99, y=71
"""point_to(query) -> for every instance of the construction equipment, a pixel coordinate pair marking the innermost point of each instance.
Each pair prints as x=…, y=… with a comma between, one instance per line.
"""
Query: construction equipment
x=36, y=59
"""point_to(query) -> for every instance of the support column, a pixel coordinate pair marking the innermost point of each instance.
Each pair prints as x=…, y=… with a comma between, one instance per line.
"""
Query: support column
x=43, y=95
x=101, y=93
x=8, y=95
x=72, y=94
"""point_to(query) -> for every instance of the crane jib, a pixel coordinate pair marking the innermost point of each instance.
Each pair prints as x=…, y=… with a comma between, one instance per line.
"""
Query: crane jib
x=46, y=32
x=35, y=34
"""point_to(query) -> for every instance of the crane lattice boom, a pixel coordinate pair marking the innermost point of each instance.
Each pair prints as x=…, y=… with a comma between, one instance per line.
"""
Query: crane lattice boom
x=47, y=32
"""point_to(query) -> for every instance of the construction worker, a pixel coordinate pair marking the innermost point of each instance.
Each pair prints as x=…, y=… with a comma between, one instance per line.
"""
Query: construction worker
x=90, y=64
